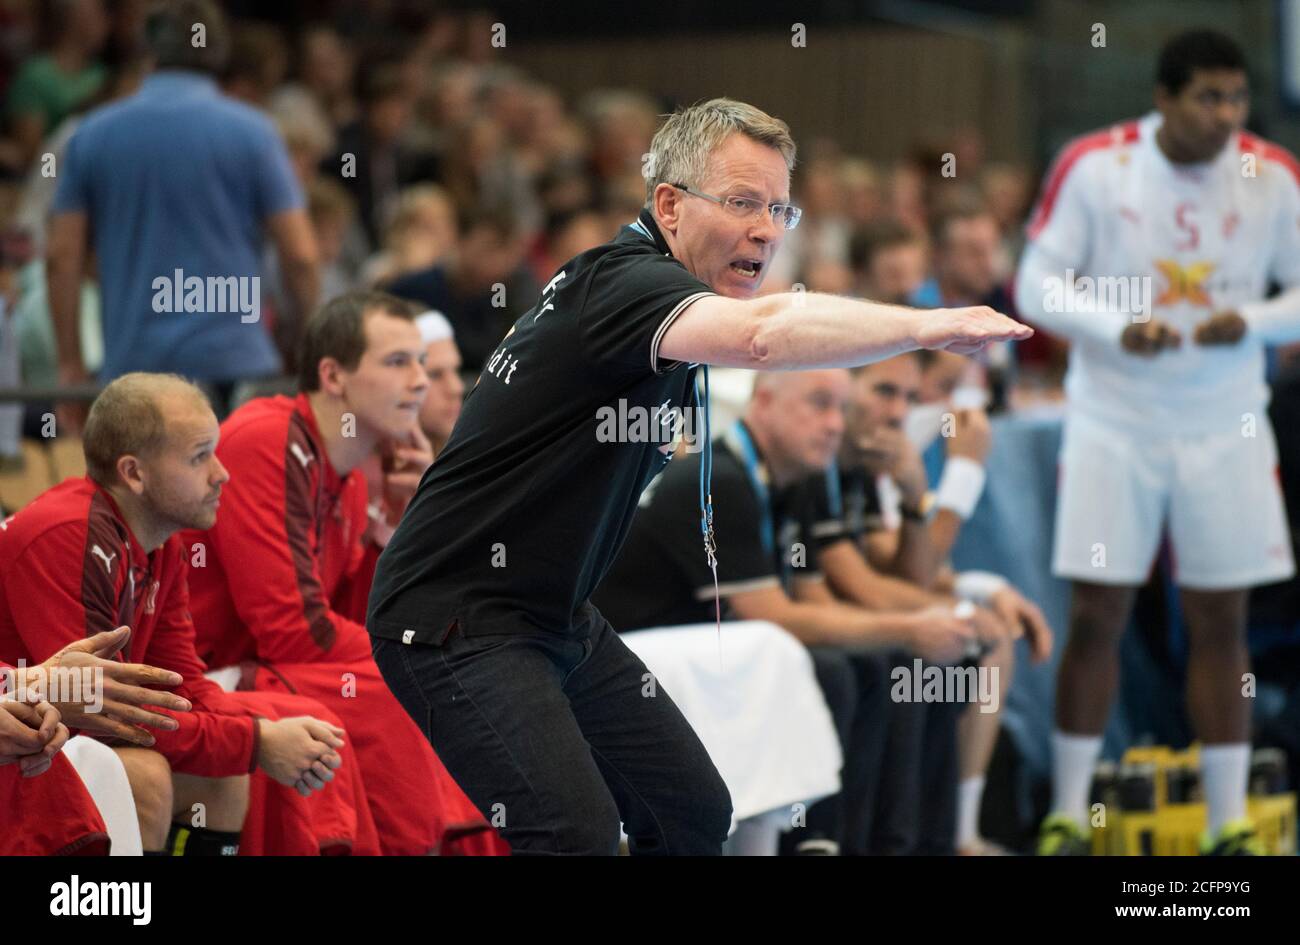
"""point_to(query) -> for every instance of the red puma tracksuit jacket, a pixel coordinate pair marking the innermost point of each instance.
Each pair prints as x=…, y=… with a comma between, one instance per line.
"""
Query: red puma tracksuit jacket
x=49, y=815
x=270, y=584
x=70, y=567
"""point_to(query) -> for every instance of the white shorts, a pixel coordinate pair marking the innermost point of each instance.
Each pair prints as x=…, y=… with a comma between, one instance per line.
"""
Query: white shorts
x=1218, y=495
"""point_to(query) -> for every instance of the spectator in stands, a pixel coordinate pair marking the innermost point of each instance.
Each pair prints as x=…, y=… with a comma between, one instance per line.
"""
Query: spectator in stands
x=968, y=260
x=94, y=553
x=567, y=233
x=621, y=124
x=326, y=73
x=482, y=289
x=200, y=178
x=331, y=212
x=863, y=193
x=257, y=64
x=49, y=87
x=375, y=156
x=420, y=234
x=308, y=135
x=41, y=183
x=970, y=268
x=888, y=261
x=295, y=516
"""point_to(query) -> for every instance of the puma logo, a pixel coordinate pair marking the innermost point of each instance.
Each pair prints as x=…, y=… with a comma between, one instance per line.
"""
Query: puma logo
x=106, y=558
x=304, y=458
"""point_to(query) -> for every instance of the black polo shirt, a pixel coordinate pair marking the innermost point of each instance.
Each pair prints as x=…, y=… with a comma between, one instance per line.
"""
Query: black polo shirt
x=662, y=578
x=844, y=503
x=521, y=515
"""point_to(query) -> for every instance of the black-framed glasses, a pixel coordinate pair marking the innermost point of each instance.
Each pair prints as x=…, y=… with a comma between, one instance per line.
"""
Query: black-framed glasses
x=785, y=215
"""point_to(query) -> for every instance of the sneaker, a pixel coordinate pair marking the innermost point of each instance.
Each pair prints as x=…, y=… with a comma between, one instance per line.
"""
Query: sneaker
x=1236, y=838
x=1060, y=835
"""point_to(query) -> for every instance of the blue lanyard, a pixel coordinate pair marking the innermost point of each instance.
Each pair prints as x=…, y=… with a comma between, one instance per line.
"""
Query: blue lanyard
x=706, y=498
x=833, y=497
x=738, y=439
x=706, y=471
x=706, y=475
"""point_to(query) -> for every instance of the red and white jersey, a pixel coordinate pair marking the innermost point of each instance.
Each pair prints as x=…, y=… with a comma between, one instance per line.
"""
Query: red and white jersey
x=1187, y=241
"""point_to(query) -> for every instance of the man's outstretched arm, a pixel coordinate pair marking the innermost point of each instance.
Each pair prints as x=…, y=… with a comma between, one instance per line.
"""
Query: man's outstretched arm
x=805, y=330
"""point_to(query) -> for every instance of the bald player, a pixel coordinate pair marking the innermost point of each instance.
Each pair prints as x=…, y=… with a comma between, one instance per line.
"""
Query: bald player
x=95, y=553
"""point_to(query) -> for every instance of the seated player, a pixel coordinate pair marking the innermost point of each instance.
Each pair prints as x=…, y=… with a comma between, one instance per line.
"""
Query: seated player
x=768, y=569
x=82, y=803
x=271, y=586
x=58, y=815
x=446, y=393
x=394, y=470
x=94, y=553
x=879, y=548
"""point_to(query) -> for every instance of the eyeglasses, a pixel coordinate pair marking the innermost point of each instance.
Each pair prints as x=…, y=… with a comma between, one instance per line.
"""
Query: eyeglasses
x=783, y=214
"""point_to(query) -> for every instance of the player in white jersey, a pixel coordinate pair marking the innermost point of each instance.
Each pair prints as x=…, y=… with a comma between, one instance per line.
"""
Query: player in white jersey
x=1152, y=249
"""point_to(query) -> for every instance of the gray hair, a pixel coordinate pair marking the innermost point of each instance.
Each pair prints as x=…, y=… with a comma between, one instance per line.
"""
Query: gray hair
x=680, y=151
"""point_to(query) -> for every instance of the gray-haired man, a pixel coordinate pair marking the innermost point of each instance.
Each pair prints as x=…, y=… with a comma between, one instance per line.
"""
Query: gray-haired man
x=480, y=611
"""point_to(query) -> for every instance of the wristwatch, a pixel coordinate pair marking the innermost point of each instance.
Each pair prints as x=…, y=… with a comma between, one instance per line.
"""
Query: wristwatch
x=922, y=512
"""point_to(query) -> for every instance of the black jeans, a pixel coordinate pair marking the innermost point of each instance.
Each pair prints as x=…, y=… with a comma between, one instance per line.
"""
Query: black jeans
x=916, y=808
x=864, y=765
x=855, y=688
x=556, y=739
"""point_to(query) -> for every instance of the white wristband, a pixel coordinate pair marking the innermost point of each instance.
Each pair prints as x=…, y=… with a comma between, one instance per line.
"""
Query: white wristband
x=978, y=586
x=960, y=486
x=963, y=610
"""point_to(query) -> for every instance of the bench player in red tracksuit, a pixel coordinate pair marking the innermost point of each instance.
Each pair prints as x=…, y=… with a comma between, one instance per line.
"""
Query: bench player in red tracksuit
x=58, y=816
x=273, y=589
x=71, y=566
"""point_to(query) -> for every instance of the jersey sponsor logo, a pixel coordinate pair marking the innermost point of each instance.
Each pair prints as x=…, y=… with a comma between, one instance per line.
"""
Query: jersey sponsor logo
x=106, y=558
x=502, y=366
x=1184, y=283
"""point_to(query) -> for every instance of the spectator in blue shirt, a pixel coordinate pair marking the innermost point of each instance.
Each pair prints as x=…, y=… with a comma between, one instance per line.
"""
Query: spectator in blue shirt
x=174, y=189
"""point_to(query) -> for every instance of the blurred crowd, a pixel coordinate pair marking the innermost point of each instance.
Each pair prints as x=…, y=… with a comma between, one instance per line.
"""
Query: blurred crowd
x=431, y=167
